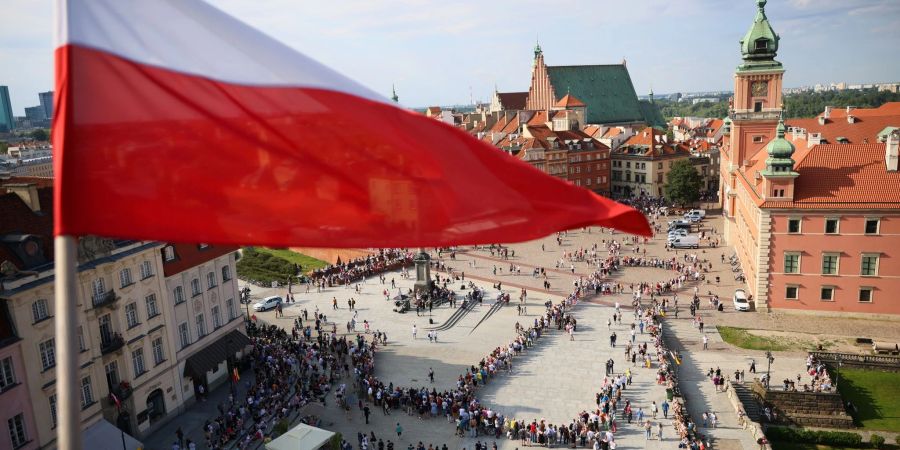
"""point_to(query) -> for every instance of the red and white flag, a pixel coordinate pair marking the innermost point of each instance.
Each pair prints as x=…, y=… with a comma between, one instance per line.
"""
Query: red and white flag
x=177, y=122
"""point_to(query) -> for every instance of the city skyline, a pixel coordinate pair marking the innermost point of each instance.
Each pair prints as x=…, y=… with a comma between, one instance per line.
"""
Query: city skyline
x=417, y=45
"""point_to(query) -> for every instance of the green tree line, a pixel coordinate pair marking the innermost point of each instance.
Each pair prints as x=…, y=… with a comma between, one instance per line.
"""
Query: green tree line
x=805, y=104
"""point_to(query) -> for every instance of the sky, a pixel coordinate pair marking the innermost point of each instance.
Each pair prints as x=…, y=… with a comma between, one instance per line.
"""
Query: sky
x=448, y=52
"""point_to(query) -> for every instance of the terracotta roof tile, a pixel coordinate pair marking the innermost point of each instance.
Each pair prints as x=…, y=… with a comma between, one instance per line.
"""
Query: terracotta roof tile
x=513, y=100
x=569, y=101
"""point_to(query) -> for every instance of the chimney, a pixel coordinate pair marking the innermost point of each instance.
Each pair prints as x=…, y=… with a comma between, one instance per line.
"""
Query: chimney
x=851, y=119
x=27, y=192
x=891, y=151
x=827, y=113
x=822, y=120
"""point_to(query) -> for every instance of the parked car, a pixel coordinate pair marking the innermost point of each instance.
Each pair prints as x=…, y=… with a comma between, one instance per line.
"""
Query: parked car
x=267, y=303
x=693, y=217
x=680, y=225
x=689, y=241
x=740, y=300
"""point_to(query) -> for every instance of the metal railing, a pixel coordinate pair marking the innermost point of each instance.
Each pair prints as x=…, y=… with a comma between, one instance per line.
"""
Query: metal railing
x=107, y=298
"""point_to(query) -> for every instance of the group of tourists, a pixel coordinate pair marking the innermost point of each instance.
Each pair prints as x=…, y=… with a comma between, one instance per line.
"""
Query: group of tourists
x=356, y=269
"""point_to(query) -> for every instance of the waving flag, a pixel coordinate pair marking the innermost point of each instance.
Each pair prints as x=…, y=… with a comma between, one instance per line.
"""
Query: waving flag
x=177, y=122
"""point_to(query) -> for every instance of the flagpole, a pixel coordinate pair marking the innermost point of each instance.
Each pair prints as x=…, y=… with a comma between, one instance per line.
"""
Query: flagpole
x=69, y=413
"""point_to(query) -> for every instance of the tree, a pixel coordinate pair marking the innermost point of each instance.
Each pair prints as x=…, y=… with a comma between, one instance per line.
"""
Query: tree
x=40, y=134
x=683, y=185
x=4, y=148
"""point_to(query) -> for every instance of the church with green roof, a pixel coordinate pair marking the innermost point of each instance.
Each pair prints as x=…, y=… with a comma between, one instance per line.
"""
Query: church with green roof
x=606, y=89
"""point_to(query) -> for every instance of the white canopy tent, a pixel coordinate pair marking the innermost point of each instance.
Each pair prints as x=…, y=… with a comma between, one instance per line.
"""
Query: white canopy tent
x=302, y=436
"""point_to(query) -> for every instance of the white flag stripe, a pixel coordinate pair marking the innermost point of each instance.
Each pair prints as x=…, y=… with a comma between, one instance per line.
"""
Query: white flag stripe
x=193, y=37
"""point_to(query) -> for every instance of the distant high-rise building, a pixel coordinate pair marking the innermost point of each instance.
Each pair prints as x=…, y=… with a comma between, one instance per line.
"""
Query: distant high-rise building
x=7, y=121
x=47, y=103
x=35, y=113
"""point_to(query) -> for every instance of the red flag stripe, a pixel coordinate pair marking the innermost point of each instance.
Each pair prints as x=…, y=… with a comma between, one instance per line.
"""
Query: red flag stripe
x=163, y=155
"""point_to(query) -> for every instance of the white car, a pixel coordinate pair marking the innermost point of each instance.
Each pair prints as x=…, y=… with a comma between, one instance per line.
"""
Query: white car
x=740, y=300
x=678, y=232
x=267, y=303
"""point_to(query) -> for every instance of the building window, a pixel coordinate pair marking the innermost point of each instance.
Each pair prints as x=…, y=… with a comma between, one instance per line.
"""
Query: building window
x=158, y=355
x=791, y=262
x=52, y=400
x=7, y=373
x=778, y=193
x=87, y=392
x=229, y=305
x=80, y=335
x=179, y=295
x=226, y=273
x=587, y=182
x=830, y=263
x=757, y=139
x=48, y=354
x=757, y=107
x=869, y=265
x=201, y=326
x=169, y=253
x=112, y=374
x=195, y=287
x=872, y=226
x=791, y=293
x=125, y=277
x=793, y=225
x=98, y=288
x=17, y=433
x=831, y=226
x=865, y=294
x=131, y=315
x=152, y=308
x=184, y=335
x=146, y=270
x=827, y=294
x=40, y=310
x=137, y=359
x=210, y=280
x=217, y=320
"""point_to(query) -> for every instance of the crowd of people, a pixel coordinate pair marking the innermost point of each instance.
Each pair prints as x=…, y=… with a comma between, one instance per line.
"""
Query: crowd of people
x=344, y=273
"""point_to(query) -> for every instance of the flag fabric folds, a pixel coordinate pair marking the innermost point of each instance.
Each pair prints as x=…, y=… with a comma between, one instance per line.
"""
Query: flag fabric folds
x=177, y=122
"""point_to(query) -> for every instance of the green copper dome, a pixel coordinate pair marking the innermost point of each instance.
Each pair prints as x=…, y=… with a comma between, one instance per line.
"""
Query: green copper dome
x=780, y=151
x=760, y=42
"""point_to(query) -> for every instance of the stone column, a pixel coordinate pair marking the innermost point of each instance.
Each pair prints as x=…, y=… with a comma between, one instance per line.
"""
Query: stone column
x=423, y=272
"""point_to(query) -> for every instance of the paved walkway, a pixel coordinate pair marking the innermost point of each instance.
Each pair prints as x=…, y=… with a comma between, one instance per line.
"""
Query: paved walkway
x=554, y=381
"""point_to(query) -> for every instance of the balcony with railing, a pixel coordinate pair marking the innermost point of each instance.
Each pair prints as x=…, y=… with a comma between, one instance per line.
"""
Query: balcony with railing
x=107, y=298
x=111, y=343
x=121, y=391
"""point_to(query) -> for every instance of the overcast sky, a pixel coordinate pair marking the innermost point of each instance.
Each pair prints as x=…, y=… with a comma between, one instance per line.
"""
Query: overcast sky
x=437, y=52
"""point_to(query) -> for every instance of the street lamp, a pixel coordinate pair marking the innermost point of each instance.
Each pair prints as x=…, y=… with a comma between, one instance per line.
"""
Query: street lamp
x=769, y=360
x=837, y=376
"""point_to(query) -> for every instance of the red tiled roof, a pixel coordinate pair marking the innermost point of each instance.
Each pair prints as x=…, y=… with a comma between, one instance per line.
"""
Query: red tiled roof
x=539, y=118
x=844, y=176
x=569, y=101
x=612, y=132
x=867, y=124
x=513, y=100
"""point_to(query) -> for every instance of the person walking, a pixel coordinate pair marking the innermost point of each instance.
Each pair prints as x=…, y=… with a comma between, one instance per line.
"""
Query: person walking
x=647, y=428
x=399, y=431
x=705, y=342
x=366, y=412
x=665, y=409
x=414, y=331
x=431, y=374
x=654, y=409
x=659, y=428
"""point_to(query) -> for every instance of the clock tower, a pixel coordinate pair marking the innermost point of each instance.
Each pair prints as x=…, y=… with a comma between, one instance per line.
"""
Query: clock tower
x=757, y=89
x=757, y=103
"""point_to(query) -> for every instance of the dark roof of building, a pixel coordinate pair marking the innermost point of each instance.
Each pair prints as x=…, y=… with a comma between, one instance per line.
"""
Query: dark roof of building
x=606, y=89
x=513, y=100
x=18, y=219
x=192, y=255
x=652, y=115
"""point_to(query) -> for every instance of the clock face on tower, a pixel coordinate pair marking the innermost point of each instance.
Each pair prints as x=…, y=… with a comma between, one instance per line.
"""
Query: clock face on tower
x=759, y=88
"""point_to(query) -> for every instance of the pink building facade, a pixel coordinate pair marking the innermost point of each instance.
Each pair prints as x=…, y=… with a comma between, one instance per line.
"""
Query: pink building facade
x=851, y=268
x=16, y=413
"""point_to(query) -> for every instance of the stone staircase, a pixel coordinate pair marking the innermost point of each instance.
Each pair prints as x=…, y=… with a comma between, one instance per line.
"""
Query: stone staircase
x=748, y=400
